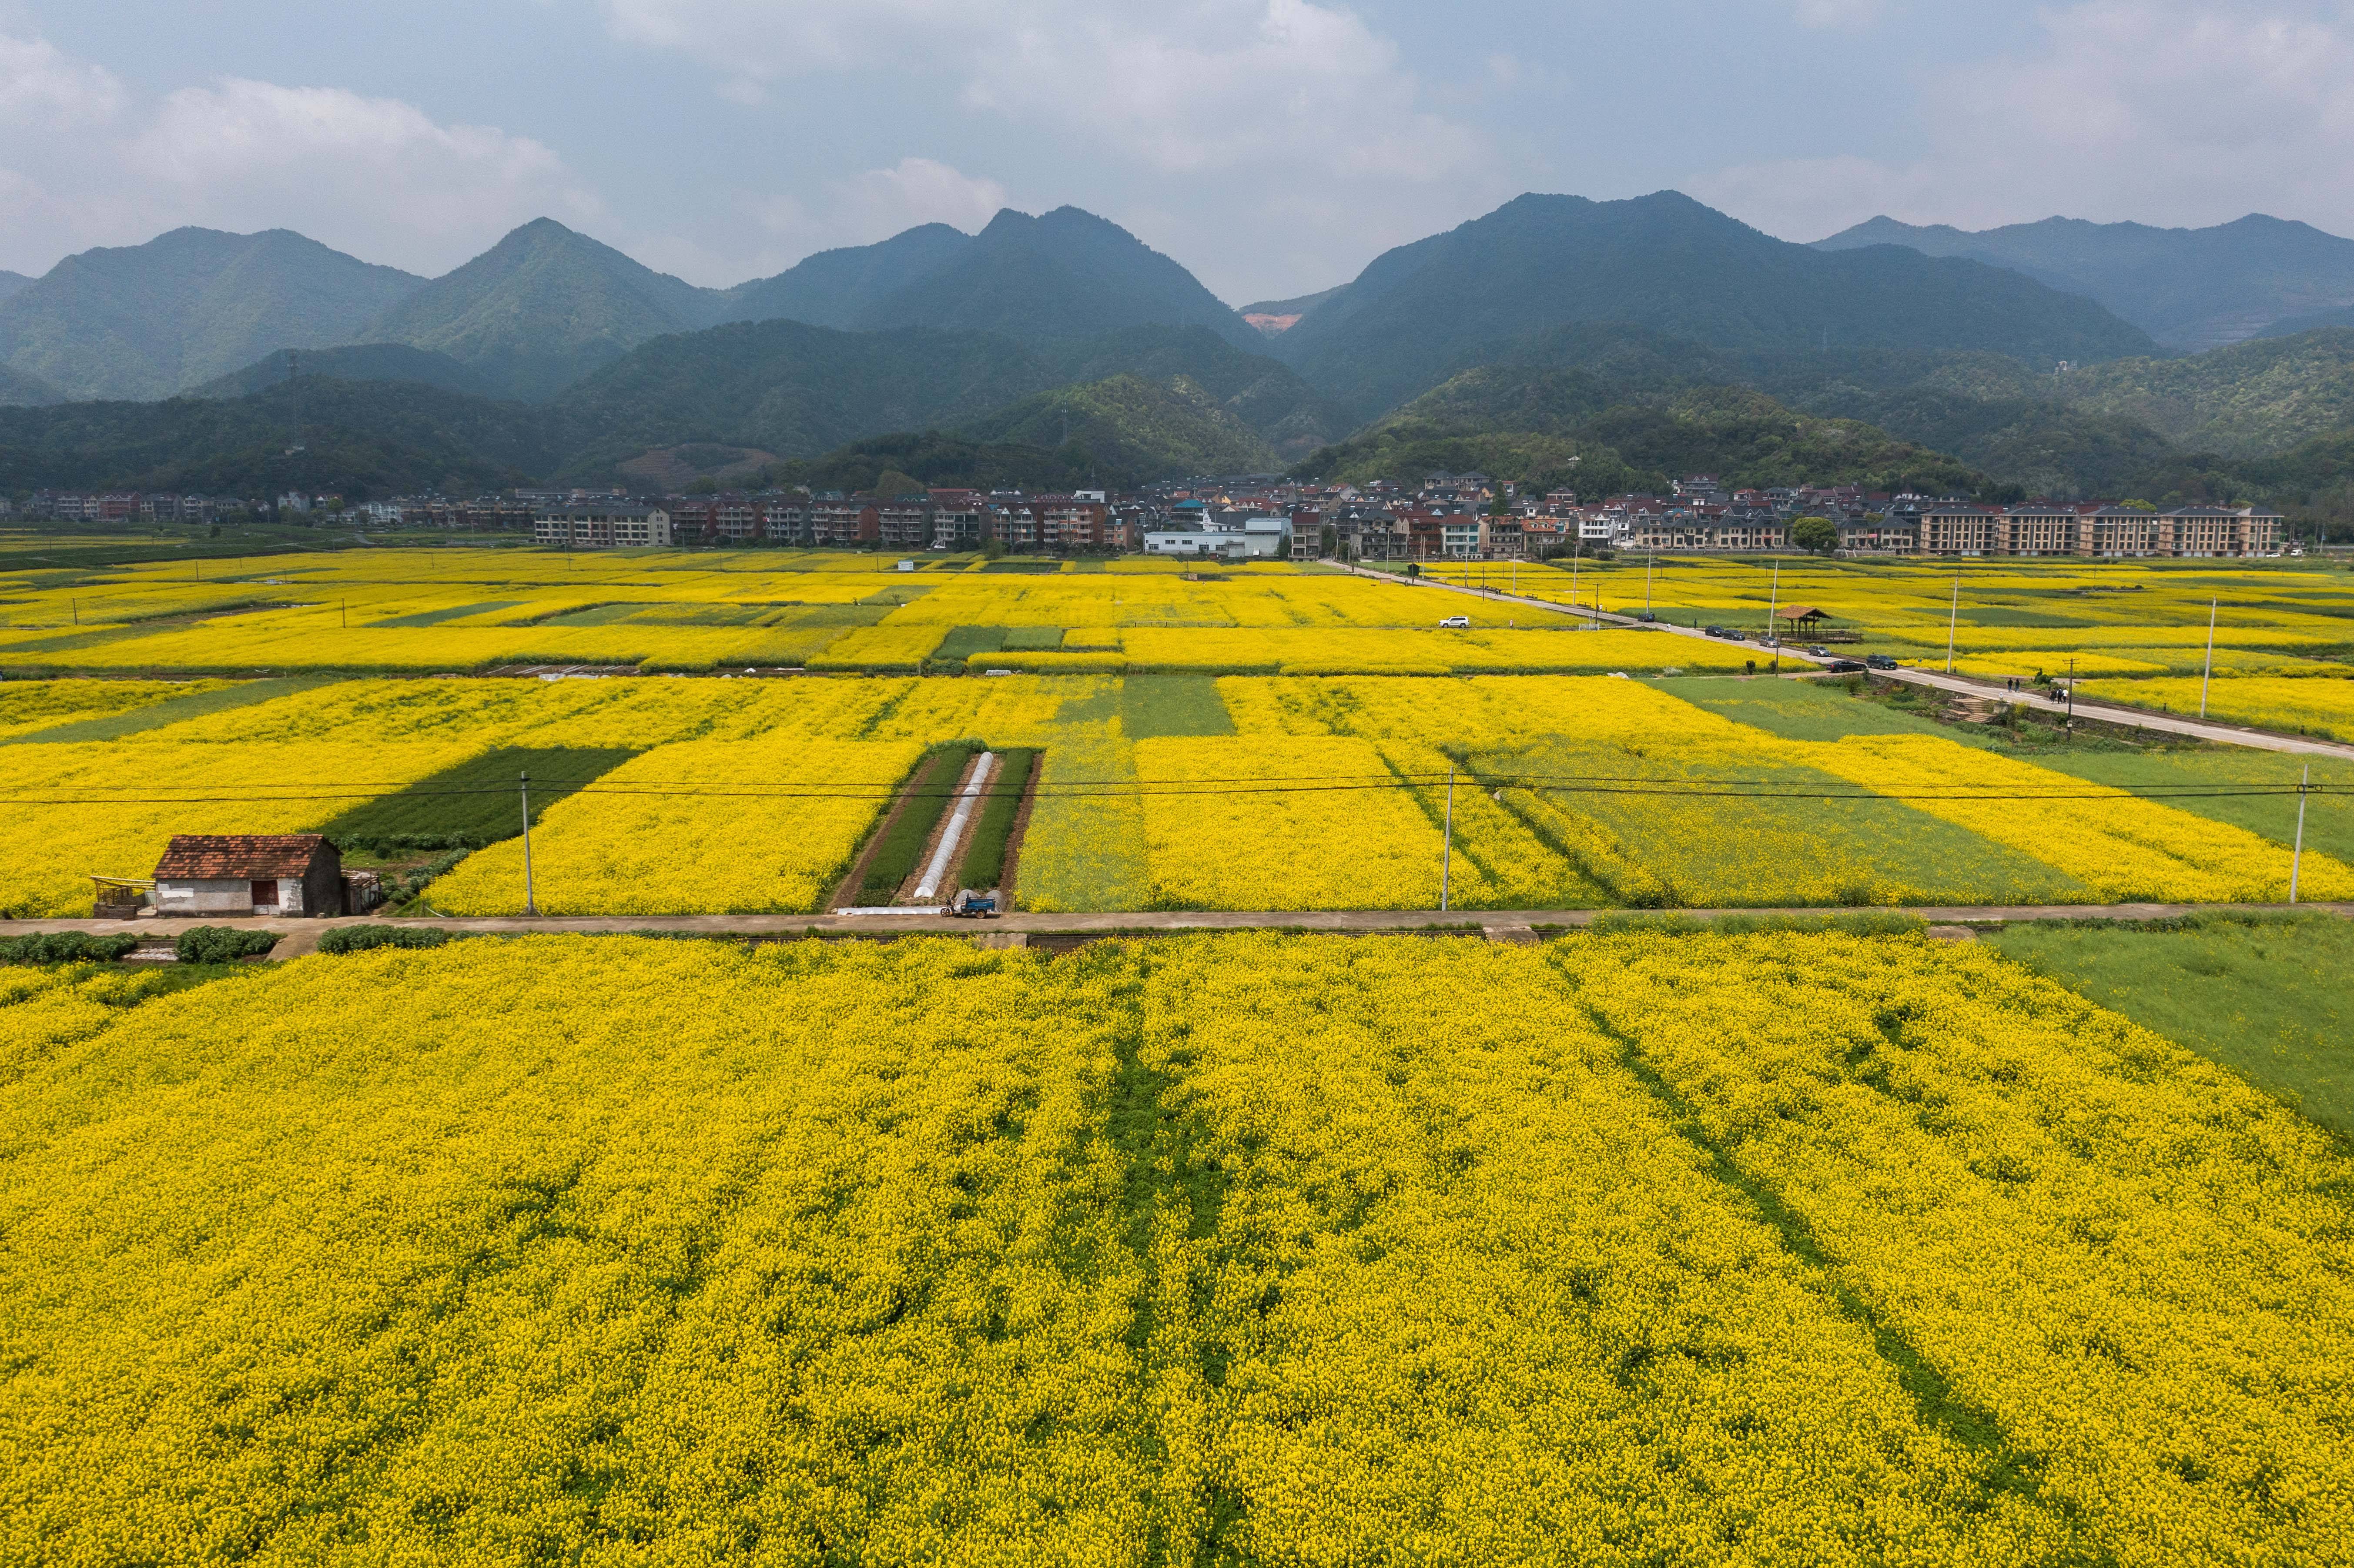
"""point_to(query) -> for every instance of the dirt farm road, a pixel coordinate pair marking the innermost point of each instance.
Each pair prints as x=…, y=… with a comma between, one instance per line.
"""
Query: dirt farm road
x=301, y=937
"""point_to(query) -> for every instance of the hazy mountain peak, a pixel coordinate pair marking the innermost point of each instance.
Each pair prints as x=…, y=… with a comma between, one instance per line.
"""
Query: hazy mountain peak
x=1670, y=263
x=2193, y=288
x=543, y=307
x=147, y=321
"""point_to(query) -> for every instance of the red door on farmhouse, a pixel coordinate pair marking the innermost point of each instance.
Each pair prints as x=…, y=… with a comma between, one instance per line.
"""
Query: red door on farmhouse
x=265, y=895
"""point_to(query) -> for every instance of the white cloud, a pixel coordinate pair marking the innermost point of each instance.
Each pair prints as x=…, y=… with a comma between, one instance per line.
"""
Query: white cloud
x=861, y=209
x=374, y=177
x=1253, y=111
x=2157, y=111
x=882, y=202
x=39, y=86
x=1184, y=86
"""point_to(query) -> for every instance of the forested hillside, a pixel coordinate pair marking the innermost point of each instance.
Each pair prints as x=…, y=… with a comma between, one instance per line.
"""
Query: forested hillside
x=1666, y=262
x=1126, y=429
x=148, y=321
x=1497, y=423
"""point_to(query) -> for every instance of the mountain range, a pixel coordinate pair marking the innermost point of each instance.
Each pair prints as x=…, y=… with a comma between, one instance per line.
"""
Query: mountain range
x=2188, y=288
x=546, y=306
x=1423, y=310
x=1625, y=336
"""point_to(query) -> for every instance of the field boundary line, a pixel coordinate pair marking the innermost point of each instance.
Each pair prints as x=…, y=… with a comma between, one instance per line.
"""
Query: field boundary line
x=1149, y=922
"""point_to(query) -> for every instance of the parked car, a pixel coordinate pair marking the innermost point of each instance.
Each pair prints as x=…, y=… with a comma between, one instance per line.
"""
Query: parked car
x=1880, y=660
x=1820, y=652
x=1845, y=666
x=1645, y=615
x=1456, y=623
x=1717, y=631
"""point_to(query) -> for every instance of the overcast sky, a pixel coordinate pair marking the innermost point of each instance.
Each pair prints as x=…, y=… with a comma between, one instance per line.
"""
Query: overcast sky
x=1273, y=146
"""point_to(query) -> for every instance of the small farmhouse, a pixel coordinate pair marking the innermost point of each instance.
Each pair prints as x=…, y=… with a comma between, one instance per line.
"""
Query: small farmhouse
x=249, y=873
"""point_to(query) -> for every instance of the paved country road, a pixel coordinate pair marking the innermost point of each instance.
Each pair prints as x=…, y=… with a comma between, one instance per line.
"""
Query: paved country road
x=2103, y=713
x=302, y=936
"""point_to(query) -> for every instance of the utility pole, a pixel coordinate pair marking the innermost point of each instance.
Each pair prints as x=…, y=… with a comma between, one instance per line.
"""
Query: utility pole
x=1953, y=624
x=529, y=906
x=2296, y=857
x=2072, y=693
x=1772, y=608
x=1649, y=561
x=1447, y=860
x=2208, y=674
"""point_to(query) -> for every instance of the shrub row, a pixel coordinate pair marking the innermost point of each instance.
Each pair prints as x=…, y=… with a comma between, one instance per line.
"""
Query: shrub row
x=64, y=948
x=221, y=943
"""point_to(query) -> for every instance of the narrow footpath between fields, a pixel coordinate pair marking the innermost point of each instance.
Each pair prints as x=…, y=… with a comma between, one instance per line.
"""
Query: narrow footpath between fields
x=2102, y=712
x=302, y=936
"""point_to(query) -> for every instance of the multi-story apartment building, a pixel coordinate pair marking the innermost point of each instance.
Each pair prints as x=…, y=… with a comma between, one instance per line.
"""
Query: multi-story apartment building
x=1949, y=528
x=2038, y=531
x=903, y=523
x=1877, y=533
x=603, y=525
x=1958, y=528
x=836, y=523
x=960, y=520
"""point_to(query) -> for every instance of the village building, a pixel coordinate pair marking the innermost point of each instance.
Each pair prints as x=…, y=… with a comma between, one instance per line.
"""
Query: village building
x=249, y=873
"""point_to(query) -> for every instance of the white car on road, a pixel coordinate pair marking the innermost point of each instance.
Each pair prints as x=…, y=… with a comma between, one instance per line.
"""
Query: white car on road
x=1456, y=623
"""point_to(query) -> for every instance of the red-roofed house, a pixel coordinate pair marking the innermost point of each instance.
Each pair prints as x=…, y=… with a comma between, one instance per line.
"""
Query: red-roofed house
x=249, y=873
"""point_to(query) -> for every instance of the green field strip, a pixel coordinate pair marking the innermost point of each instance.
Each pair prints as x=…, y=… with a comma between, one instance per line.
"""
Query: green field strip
x=963, y=641
x=703, y=615
x=1155, y=708
x=1799, y=710
x=593, y=615
x=1731, y=852
x=156, y=716
x=448, y=612
x=2266, y=998
x=474, y=804
x=1821, y=711
x=1033, y=638
x=74, y=641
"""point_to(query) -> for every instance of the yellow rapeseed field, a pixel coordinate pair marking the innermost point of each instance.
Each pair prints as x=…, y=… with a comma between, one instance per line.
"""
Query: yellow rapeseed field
x=1573, y=792
x=2307, y=705
x=29, y=706
x=1626, y=1250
